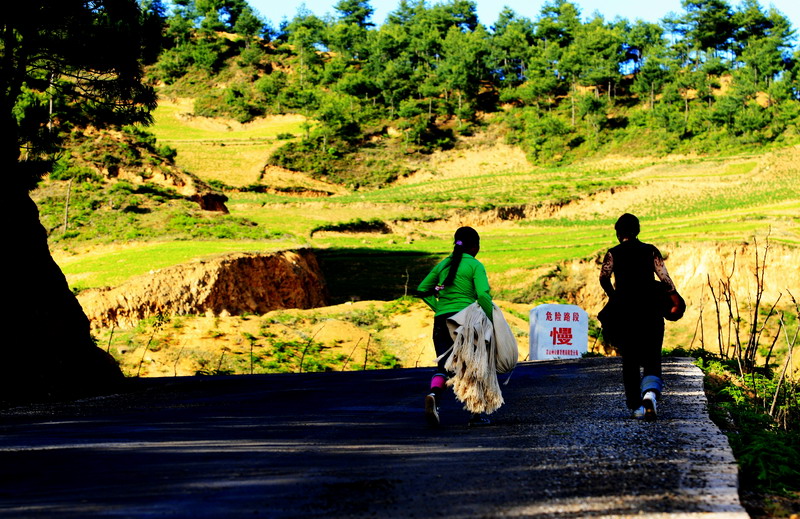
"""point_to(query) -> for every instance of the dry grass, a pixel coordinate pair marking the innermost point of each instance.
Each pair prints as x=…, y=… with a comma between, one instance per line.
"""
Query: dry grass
x=221, y=149
x=278, y=177
x=188, y=344
x=479, y=160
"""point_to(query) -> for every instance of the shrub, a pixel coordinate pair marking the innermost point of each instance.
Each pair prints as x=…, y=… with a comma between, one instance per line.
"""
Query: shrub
x=357, y=225
x=63, y=169
x=768, y=456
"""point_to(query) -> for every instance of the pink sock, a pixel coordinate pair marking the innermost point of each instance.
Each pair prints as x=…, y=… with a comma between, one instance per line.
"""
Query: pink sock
x=438, y=382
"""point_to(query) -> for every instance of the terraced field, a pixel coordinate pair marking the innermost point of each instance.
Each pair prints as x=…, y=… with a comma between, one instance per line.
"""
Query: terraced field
x=223, y=150
x=528, y=218
x=531, y=219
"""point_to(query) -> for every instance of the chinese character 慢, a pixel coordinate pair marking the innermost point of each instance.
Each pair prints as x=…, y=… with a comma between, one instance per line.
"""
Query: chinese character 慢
x=562, y=336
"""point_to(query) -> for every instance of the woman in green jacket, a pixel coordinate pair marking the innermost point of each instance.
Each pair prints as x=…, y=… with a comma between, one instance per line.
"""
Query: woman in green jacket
x=455, y=283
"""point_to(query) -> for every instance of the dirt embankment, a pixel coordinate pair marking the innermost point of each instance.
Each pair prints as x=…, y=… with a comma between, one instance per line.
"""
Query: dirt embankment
x=228, y=285
x=694, y=266
x=696, y=269
x=281, y=298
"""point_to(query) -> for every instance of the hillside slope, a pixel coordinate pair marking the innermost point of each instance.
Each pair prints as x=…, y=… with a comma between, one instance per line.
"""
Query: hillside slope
x=543, y=231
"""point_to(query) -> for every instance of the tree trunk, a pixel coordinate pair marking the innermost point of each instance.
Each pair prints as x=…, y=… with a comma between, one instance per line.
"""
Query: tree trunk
x=49, y=351
x=685, y=110
x=66, y=208
x=572, y=102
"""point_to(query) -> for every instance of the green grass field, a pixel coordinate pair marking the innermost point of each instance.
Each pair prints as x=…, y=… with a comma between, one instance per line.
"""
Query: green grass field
x=509, y=251
x=111, y=266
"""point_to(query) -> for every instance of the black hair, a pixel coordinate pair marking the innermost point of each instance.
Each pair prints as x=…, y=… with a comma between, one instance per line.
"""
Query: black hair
x=466, y=238
x=627, y=226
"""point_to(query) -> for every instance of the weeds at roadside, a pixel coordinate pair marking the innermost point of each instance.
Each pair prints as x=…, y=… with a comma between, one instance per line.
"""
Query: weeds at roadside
x=756, y=405
x=377, y=318
x=157, y=322
x=768, y=453
x=215, y=334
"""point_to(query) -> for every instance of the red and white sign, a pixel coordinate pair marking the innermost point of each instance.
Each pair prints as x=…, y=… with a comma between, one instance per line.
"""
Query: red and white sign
x=558, y=332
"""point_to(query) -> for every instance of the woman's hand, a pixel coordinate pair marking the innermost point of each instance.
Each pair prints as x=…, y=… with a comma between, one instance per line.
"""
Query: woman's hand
x=676, y=304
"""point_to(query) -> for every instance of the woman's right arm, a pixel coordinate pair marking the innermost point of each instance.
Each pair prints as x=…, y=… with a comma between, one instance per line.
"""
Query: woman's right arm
x=425, y=288
x=605, y=274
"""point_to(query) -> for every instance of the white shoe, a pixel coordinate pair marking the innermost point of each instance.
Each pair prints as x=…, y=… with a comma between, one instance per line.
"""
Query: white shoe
x=649, y=405
x=639, y=413
x=431, y=411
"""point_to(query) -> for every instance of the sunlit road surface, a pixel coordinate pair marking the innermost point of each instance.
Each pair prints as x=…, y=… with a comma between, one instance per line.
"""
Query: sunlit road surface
x=356, y=444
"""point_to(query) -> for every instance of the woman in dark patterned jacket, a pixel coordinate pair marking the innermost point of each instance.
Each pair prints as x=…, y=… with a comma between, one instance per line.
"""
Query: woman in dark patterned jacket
x=640, y=329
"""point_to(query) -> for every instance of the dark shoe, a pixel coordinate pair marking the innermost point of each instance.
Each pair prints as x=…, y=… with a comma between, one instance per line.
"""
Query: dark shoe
x=431, y=411
x=477, y=420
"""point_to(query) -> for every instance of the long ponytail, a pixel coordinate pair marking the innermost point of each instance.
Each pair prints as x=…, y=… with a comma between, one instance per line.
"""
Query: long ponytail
x=465, y=238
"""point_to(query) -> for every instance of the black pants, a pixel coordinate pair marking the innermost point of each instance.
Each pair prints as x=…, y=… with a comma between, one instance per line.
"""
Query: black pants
x=442, y=341
x=640, y=345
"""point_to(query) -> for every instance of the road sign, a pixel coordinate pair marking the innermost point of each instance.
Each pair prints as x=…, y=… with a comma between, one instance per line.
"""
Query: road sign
x=558, y=332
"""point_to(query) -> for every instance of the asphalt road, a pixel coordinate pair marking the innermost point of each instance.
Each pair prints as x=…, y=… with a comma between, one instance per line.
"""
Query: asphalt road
x=356, y=445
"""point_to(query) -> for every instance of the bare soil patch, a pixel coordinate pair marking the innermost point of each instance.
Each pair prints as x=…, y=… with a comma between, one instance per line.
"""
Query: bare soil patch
x=478, y=160
x=186, y=115
x=281, y=178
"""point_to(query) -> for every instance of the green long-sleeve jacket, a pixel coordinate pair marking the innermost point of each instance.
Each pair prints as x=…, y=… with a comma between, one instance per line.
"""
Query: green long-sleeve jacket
x=469, y=285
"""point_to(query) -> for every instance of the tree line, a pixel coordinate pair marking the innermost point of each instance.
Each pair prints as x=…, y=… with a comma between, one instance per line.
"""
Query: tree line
x=708, y=78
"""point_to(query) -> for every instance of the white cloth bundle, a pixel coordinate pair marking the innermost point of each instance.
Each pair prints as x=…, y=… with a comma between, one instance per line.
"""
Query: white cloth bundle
x=474, y=358
x=507, y=353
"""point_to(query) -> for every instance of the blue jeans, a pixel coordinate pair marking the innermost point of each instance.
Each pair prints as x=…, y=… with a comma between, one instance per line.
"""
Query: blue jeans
x=652, y=383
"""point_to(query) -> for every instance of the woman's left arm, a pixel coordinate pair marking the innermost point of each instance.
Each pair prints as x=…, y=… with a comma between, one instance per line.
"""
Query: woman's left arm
x=663, y=275
x=661, y=270
x=484, y=294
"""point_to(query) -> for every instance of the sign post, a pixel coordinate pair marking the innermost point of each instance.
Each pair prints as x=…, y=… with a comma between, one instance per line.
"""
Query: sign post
x=558, y=332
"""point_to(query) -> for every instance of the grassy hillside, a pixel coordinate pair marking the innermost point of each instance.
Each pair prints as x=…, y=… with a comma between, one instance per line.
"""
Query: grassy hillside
x=543, y=229
x=224, y=150
x=528, y=216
